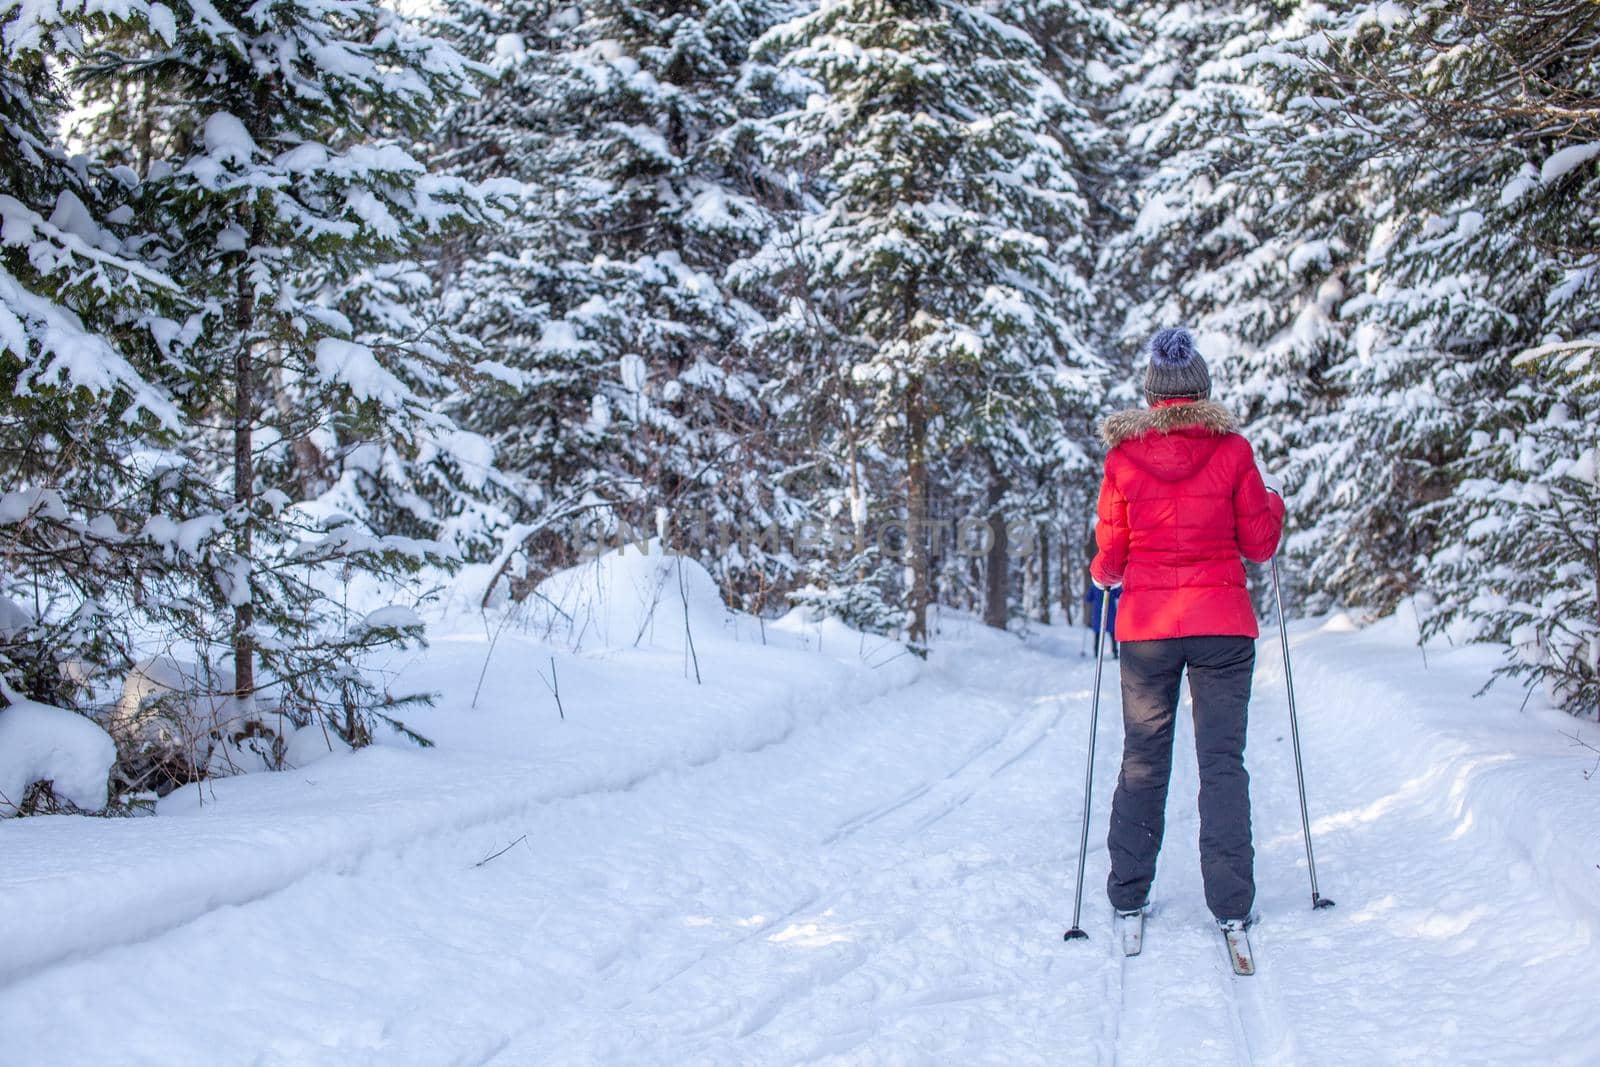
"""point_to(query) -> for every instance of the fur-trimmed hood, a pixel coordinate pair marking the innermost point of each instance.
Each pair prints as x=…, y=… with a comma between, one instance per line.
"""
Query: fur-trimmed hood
x=1126, y=425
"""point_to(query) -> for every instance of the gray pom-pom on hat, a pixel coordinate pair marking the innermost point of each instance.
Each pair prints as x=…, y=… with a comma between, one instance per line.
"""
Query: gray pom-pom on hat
x=1176, y=368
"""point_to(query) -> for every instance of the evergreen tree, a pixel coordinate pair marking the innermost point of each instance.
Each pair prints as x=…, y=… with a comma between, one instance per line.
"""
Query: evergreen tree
x=946, y=234
x=280, y=197
x=1252, y=214
x=1321, y=185
x=1089, y=51
x=81, y=375
x=1480, y=315
x=606, y=293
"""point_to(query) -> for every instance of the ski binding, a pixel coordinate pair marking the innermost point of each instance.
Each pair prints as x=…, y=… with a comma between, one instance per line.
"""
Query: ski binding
x=1132, y=925
x=1238, y=944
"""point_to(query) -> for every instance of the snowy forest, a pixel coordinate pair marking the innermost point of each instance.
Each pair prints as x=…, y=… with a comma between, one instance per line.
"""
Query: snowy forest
x=299, y=295
x=670, y=432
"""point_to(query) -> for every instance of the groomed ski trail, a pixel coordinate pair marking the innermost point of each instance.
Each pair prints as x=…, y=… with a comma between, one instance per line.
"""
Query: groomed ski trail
x=885, y=883
x=1182, y=978
x=740, y=869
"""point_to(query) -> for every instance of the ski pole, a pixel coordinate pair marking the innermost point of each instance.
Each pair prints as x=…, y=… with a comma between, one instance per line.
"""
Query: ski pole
x=1088, y=775
x=1317, y=899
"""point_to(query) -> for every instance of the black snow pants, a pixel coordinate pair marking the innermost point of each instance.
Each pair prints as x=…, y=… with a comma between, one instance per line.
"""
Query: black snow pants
x=1219, y=682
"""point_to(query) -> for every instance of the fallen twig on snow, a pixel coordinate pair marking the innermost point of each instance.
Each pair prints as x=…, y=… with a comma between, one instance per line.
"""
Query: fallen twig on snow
x=493, y=640
x=554, y=685
x=1581, y=743
x=502, y=852
x=688, y=635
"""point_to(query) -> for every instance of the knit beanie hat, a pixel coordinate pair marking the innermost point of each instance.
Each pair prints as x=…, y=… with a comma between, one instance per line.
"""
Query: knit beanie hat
x=1176, y=369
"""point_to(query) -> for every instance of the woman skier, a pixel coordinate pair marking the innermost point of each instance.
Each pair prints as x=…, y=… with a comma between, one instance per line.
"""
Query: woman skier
x=1180, y=504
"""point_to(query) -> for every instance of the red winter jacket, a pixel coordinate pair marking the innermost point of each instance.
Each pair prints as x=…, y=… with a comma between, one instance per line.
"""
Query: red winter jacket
x=1181, y=502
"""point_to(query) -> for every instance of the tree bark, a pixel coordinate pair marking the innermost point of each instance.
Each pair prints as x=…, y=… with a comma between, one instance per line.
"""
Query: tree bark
x=917, y=510
x=858, y=507
x=244, y=390
x=997, y=576
x=1044, y=573
x=1067, y=599
x=252, y=218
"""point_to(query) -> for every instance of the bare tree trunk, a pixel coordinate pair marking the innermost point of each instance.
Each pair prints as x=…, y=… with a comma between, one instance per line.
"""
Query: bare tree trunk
x=1067, y=599
x=858, y=505
x=1044, y=573
x=917, y=509
x=244, y=475
x=144, y=136
x=996, y=573
x=244, y=615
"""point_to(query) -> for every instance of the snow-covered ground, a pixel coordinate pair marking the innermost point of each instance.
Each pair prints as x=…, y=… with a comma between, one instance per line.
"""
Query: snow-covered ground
x=823, y=852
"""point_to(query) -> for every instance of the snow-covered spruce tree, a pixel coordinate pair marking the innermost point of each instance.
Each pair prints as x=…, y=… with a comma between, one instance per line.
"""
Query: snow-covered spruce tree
x=1089, y=51
x=1253, y=209
x=438, y=480
x=278, y=195
x=508, y=285
x=820, y=424
x=606, y=292
x=1480, y=320
x=1183, y=104
x=943, y=232
x=81, y=380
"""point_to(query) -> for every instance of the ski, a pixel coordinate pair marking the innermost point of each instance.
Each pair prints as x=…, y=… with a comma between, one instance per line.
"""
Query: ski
x=1132, y=925
x=1237, y=942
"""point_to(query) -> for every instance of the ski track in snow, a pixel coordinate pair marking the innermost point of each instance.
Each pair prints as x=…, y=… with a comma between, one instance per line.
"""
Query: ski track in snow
x=888, y=883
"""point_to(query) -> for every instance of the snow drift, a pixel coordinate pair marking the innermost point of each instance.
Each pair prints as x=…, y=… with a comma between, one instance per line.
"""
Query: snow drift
x=630, y=599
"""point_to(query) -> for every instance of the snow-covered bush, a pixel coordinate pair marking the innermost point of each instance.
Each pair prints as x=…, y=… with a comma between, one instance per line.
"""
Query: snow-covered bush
x=52, y=759
x=178, y=722
x=627, y=598
x=856, y=591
